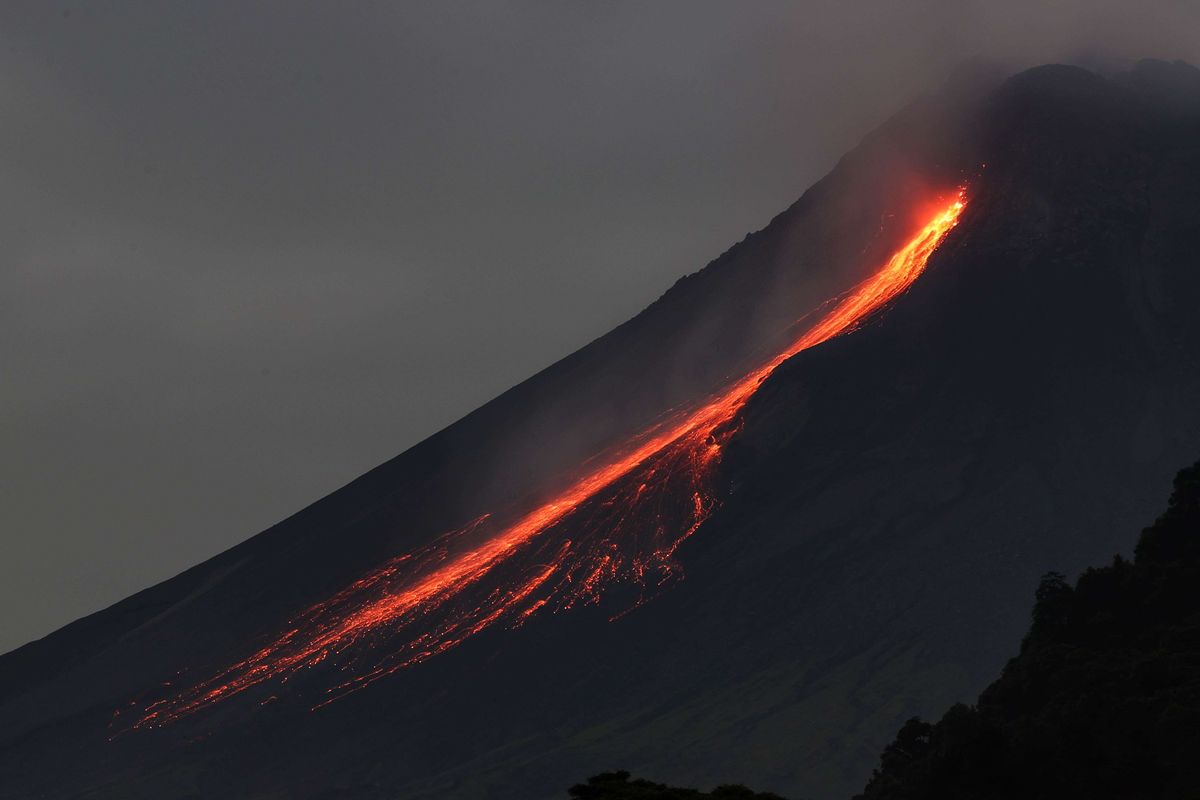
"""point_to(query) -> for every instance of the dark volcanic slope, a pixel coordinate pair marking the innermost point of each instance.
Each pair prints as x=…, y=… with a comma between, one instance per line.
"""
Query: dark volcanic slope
x=1103, y=700
x=891, y=498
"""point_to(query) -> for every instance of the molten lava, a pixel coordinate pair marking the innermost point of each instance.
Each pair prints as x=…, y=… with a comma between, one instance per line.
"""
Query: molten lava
x=620, y=521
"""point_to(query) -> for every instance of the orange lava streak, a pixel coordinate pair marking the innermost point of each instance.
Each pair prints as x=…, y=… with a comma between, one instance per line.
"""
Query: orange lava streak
x=426, y=602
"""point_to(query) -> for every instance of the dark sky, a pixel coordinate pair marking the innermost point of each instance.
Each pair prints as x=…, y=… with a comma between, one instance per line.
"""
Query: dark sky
x=250, y=250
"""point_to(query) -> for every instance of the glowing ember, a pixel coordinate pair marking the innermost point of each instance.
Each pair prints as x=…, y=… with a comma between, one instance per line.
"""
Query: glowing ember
x=620, y=522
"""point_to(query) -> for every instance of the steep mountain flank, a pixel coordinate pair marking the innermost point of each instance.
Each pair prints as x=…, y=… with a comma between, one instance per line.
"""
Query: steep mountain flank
x=883, y=502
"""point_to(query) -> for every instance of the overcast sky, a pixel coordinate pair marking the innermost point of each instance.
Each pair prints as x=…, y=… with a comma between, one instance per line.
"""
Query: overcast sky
x=250, y=250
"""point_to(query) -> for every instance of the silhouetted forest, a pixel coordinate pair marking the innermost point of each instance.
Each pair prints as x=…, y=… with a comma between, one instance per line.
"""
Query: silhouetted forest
x=1103, y=700
x=618, y=786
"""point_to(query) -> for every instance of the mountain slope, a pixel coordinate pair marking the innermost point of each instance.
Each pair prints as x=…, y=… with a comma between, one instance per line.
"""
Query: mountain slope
x=887, y=500
x=1103, y=700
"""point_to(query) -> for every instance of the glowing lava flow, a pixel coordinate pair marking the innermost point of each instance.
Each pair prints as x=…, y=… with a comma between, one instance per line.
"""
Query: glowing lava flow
x=622, y=521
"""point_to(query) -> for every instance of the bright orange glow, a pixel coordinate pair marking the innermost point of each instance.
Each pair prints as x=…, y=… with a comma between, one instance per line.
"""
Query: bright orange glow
x=622, y=521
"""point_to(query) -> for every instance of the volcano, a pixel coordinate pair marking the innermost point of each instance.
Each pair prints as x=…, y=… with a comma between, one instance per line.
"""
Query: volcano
x=799, y=499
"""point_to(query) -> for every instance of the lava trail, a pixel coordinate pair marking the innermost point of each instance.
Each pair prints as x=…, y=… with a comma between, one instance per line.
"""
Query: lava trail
x=620, y=522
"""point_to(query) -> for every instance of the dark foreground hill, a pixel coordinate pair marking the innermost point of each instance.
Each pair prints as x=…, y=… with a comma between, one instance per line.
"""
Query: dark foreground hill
x=1102, y=702
x=885, y=503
